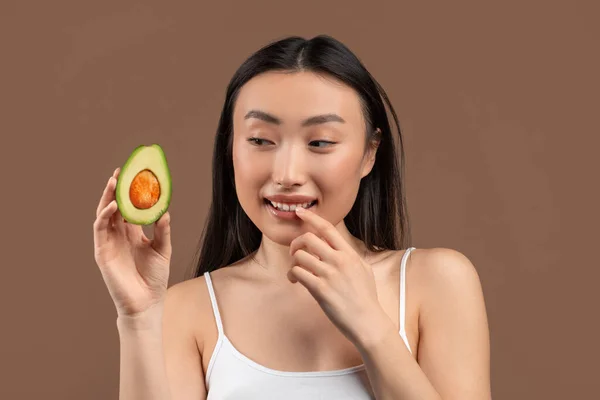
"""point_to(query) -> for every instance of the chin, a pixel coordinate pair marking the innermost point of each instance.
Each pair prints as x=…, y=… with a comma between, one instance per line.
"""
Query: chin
x=282, y=235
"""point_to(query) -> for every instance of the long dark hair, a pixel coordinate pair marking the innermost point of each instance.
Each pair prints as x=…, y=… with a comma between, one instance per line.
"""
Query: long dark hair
x=379, y=215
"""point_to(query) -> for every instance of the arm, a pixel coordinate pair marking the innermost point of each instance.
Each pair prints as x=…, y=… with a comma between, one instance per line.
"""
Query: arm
x=159, y=356
x=454, y=353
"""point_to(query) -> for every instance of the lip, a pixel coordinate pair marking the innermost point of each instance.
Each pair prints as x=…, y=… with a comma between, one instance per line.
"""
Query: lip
x=290, y=199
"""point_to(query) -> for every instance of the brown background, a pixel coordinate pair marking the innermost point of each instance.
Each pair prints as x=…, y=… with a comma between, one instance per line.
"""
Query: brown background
x=498, y=103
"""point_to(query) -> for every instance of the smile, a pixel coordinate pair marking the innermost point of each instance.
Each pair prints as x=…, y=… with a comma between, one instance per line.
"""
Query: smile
x=289, y=207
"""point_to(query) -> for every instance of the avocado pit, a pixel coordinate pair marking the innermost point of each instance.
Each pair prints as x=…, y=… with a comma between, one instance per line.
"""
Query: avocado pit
x=144, y=191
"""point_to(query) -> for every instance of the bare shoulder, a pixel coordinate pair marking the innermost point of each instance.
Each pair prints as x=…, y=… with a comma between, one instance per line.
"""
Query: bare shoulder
x=443, y=266
x=454, y=348
x=189, y=294
x=194, y=292
x=433, y=273
x=189, y=300
x=446, y=277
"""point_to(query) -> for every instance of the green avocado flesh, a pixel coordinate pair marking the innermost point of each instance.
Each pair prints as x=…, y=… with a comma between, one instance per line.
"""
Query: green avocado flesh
x=144, y=160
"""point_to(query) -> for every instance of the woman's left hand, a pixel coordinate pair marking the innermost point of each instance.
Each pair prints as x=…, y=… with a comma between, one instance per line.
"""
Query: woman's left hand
x=339, y=279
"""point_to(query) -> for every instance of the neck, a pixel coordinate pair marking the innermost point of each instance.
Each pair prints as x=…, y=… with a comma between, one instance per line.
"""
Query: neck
x=275, y=258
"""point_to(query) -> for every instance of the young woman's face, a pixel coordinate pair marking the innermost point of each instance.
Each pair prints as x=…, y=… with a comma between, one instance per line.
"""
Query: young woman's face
x=298, y=138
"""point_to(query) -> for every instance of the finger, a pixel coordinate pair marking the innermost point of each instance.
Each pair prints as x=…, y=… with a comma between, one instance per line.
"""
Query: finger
x=118, y=222
x=102, y=222
x=109, y=192
x=145, y=238
x=311, y=282
x=312, y=264
x=314, y=245
x=107, y=195
x=135, y=232
x=323, y=228
x=161, y=241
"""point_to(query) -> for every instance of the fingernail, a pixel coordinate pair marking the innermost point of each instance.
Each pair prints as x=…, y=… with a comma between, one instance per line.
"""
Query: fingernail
x=300, y=210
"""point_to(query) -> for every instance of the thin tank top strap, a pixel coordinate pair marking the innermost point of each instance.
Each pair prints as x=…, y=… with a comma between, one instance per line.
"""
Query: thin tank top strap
x=213, y=300
x=403, y=290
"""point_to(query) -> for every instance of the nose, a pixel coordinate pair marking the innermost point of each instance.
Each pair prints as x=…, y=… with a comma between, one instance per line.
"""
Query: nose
x=289, y=168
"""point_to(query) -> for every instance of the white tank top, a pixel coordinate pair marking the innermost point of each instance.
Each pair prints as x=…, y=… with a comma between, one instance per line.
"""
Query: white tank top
x=232, y=375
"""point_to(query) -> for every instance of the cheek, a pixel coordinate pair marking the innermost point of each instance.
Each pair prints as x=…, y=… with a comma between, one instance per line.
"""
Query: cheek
x=339, y=180
x=342, y=169
x=250, y=172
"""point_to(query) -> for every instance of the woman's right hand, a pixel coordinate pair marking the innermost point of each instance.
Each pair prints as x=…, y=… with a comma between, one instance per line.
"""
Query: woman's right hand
x=135, y=268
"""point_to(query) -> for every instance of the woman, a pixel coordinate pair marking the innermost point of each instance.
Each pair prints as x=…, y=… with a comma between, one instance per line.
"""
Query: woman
x=305, y=287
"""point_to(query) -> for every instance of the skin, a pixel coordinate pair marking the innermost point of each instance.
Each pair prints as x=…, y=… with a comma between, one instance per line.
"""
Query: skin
x=450, y=357
x=298, y=158
x=295, y=159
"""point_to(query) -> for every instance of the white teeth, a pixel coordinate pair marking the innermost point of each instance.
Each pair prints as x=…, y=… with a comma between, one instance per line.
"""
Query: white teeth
x=289, y=207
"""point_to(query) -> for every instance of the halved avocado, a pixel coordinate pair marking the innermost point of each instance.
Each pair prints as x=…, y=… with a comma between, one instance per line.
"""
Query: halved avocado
x=143, y=191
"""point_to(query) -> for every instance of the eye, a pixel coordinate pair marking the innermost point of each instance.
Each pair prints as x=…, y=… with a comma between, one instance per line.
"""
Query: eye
x=323, y=143
x=257, y=141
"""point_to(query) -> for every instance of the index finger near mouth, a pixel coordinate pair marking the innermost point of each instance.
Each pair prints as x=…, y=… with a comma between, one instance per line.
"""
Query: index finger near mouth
x=325, y=230
x=315, y=245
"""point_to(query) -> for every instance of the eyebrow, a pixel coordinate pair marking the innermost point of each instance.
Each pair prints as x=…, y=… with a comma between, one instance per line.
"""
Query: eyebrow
x=315, y=120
